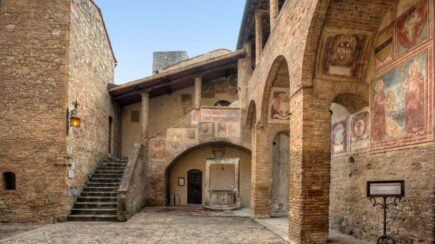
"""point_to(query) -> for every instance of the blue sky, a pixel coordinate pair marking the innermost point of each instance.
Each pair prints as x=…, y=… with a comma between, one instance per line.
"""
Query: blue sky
x=137, y=28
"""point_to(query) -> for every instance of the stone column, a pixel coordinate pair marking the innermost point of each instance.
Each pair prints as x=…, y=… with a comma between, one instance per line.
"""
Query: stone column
x=258, y=35
x=274, y=11
x=198, y=88
x=244, y=71
x=145, y=114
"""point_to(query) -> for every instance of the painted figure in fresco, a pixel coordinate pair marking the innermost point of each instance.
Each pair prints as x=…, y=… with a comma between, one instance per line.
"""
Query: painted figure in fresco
x=414, y=94
x=359, y=128
x=280, y=106
x=379, y=99
x=158, y=150
x=339, y=135
x=411, y=27
x=392, y=127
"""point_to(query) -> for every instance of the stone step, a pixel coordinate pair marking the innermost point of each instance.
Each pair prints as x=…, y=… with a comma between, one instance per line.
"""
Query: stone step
x=98, y=194
x=110, y=168
x=109, y=171
x=93, y=211
x=113, y=164
x=83, y=217
x=100, y=189
x=104, y=180
x=93, y=205
x=97, y=199
x=102, y=185
x=103, y=175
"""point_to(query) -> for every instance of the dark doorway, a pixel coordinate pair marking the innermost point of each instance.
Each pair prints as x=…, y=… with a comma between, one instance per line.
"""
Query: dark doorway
x=194, y=186
x=110, y=134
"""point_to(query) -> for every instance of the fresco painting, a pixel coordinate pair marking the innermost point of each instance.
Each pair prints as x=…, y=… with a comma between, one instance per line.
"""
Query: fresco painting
x=279, y=106
x=176, y=138
x=227, y=129
x=208, y=89
x=342, y=54
x=359, y=130
x=412, y=28
x=206, y=129
x=384, y=47
x=339, y=136
x=157, y=149
x=398, y=102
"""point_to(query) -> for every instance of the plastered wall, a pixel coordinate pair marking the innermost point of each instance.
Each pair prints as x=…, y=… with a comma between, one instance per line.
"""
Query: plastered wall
x=196, y=159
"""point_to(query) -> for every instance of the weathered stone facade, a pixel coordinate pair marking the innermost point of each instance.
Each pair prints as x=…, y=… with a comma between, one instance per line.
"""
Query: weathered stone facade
x=47, y=59
x=350, y=83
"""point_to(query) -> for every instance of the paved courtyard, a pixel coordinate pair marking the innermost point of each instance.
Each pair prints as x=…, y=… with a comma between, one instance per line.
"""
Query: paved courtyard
x=152, y=225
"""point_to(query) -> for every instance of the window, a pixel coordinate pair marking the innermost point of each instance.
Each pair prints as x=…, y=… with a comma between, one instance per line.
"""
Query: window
x=222, y=103
x=134, y=116
x=9, y=181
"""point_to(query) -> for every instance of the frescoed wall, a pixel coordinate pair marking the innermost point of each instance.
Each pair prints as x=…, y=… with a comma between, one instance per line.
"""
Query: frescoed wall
x=279, y=105
x=399, y=100
x=339, y=139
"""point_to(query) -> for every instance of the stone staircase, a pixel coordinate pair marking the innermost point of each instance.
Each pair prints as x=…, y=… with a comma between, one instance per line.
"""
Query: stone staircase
x=98, y=200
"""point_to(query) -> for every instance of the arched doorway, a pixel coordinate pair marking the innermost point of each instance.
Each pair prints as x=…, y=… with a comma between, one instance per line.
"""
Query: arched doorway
x=187, y=170
x=280, y=159
x=194, y=186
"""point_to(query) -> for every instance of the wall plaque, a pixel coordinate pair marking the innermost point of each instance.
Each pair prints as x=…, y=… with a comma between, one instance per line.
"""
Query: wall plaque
x=386, y=188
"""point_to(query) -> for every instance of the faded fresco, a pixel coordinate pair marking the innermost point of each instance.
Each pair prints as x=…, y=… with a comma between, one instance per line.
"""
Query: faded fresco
x=279, y=106
x=339, y=136
x=398, y=102
x=157, y=149
x=177, y=138
x=227, y=85
x=384, y=47
x=186, y=99
x=412, y=28
x=218, y=122
x=342, y=54
x=206, y=129
x=359, y=130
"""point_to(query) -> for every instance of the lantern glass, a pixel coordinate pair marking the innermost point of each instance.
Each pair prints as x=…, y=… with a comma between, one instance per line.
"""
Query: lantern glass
x=75, y=122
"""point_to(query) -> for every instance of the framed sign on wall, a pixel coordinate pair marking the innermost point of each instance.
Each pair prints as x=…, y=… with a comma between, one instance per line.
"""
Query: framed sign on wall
x=392, y=188
x=181, y=181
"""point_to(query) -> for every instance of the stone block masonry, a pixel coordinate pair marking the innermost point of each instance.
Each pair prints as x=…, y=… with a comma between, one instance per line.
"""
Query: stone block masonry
x=44, y=52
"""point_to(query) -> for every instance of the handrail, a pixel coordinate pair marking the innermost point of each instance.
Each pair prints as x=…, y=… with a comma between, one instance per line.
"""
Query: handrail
x=126, y=198
x=129, y=169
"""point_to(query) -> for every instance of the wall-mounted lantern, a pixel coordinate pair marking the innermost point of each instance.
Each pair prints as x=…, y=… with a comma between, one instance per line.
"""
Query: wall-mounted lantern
x=72, y=119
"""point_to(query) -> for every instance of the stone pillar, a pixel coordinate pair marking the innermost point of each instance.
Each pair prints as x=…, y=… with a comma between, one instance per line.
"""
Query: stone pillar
x=145, y=114
x=274, y=11
x=261, y=173
x=258, y=34
x=198, y=88
x=309, y=168
x=244, y=71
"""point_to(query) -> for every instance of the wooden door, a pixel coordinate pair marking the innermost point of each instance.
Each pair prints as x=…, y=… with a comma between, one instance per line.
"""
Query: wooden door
x=194, y=187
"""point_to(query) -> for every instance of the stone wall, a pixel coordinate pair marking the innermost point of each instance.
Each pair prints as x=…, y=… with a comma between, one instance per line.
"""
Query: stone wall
x=91, y=70
x=34, y=40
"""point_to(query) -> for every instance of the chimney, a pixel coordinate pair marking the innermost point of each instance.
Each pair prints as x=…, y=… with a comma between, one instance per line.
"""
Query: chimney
x=162, y=60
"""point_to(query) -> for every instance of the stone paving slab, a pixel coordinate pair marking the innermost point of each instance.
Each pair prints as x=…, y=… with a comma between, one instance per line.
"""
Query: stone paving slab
x=155, y=226
x=188, y=224
x=8, y=230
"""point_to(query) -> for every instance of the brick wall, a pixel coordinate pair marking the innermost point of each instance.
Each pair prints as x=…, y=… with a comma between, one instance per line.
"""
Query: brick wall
x=34, y=38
